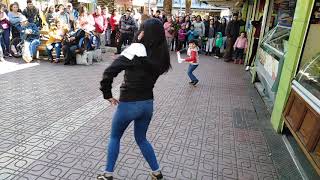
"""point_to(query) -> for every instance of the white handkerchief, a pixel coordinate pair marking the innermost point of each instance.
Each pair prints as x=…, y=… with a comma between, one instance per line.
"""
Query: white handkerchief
x=179, y=57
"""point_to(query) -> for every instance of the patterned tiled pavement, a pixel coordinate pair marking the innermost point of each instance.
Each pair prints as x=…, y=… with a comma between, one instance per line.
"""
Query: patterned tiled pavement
x=55, y=125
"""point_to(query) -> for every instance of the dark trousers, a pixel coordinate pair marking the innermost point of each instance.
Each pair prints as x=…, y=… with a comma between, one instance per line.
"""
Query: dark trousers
x=69, y=52
x=172, y=43
x=180, y=44
x=229, y=50
x=254, y=51
x=113, y=38
x=217, y=51
x=5, y=41
x=125, y=38
x=238, y=54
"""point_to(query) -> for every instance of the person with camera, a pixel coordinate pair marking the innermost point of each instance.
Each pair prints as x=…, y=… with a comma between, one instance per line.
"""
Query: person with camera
x=71, y=44
x=127, y=29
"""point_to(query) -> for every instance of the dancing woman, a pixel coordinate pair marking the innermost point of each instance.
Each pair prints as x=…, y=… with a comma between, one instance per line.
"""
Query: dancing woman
x=143, y=63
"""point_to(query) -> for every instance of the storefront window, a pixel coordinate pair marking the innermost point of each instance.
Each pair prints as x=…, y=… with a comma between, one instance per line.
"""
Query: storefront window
x=309, y=68
x=309, y=76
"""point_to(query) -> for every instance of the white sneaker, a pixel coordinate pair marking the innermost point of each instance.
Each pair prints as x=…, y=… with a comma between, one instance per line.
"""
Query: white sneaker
x=247, y=68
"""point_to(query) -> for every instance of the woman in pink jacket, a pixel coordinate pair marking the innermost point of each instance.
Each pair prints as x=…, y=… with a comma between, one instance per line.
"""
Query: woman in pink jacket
x=169, y=31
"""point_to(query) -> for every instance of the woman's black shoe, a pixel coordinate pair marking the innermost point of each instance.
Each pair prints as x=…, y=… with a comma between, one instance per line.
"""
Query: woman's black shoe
x=104, y=177
x=157, y=176
x=195, y=83
x=191, y=82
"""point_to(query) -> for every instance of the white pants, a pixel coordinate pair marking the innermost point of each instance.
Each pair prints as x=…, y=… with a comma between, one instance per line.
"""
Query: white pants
x=209, y=45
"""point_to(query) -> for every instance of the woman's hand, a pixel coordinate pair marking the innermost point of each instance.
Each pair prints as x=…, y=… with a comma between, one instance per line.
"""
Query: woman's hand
x=113, y=101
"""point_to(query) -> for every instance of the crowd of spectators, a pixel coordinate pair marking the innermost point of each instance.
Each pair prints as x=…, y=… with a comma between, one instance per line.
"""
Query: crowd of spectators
x=74, y=30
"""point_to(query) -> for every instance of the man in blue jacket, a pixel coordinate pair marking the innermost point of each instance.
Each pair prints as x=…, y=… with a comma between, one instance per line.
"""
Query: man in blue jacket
x=31, y=36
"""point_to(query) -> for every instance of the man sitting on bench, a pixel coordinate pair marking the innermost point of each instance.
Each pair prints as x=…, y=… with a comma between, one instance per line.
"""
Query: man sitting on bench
x=71, y=44
x=31, y=36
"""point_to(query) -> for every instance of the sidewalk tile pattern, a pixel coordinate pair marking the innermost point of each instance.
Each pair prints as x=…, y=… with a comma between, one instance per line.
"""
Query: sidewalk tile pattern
x=55, y=125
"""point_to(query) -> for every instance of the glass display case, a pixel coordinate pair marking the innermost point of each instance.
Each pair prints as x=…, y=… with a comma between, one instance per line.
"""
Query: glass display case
x=270, y=58
x=275, y=42
x=309, y=76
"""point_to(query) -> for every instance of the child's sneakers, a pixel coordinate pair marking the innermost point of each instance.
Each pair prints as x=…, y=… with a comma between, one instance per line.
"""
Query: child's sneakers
x=156, y=176
x=104, y=177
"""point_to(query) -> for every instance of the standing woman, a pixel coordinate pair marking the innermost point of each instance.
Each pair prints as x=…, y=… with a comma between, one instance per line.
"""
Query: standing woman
x=200, y=29
x=222, y=29
x=50, y=15
x=169, y=31
x=15, y=17
x=86, y=21
x=188, y=22
x=148, y=59
x=113, y=23
x=5, y=33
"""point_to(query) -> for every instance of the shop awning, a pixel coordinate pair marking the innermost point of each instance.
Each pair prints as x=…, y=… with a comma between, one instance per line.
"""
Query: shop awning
x=224, y=3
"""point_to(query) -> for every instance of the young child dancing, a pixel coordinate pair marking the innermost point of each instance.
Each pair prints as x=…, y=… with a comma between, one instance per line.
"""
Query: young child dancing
x=240, y=46
x=193, y=59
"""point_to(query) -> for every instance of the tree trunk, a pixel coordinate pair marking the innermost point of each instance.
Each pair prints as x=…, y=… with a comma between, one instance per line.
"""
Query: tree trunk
x=167, y=6
x=109, y=4
x=188, y=6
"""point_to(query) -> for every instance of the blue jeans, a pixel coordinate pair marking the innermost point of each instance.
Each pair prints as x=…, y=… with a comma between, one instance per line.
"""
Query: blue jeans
x=5, y=40
x=141, y=113
x=58, y=47
x=190, y=72
x=33, y=46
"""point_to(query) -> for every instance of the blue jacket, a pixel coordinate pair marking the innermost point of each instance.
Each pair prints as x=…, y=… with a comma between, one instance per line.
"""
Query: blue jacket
x=30, y=37
x=192, y=35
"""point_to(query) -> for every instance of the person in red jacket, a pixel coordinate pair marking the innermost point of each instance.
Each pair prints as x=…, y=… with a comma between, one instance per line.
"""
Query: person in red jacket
x=100, y=23
x=113, y=23
x=193, y=59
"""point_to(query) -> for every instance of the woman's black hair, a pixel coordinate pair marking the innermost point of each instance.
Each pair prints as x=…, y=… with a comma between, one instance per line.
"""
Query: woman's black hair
x=199, y=17
x=155, y=42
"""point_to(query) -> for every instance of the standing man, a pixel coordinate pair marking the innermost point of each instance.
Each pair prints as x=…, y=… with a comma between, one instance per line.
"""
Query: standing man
x=73, y=14
x=232, y=32
x=32, y=13
x=157, y=15
x=100, y=23
x=127, y=29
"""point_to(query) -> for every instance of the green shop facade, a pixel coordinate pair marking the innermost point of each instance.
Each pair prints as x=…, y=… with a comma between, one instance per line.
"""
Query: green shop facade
x=286, y=69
